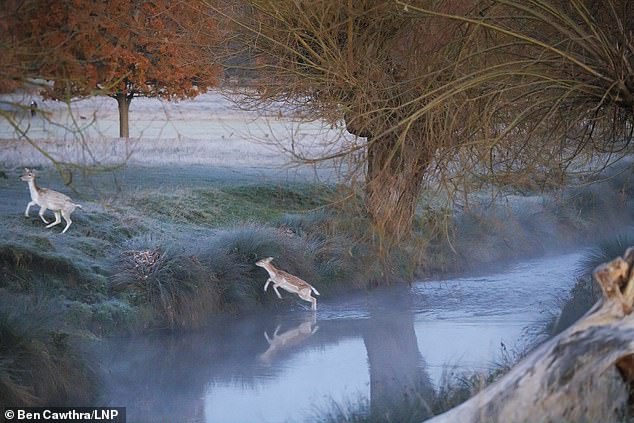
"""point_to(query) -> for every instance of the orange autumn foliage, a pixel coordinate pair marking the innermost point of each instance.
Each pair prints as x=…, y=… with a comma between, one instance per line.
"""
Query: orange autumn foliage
x=119, y=48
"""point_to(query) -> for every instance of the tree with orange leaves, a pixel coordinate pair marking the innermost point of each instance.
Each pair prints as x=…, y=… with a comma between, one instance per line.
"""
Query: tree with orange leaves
x=121, y=48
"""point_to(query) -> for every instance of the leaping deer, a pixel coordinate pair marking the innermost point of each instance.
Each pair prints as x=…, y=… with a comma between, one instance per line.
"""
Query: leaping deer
x=288, y=282
x=57, y=202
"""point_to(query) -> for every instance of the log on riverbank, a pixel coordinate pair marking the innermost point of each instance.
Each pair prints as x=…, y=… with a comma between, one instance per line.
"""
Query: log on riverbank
x=583, y=374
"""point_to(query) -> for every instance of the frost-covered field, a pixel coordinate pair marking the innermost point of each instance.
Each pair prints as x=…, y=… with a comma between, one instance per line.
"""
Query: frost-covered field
x=208, y=130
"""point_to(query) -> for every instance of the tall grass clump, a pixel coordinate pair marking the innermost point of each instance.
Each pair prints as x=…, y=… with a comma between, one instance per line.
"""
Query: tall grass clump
x=456, y=388
x=413, y=409
x=105, y=316
x=110, y=226
x=39, y=362
x=169, y=281
x=585, y=293
x=604, y=252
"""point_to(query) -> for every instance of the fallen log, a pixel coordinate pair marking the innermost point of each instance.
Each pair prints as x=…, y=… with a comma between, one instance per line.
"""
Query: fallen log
x=586, y=373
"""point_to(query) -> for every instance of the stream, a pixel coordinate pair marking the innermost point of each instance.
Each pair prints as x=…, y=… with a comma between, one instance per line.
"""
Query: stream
x=373, y=348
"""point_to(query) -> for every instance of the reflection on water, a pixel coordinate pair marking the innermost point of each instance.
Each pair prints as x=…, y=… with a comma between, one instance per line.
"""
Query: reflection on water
x=297, y=388
x=289, y=366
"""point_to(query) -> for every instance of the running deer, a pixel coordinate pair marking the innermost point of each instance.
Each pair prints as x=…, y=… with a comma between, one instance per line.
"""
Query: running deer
x=288, y=282
x=47, y=199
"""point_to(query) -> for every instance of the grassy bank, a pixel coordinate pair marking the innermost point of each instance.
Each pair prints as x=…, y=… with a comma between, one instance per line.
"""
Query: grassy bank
x=155, y=259
x=40, y=363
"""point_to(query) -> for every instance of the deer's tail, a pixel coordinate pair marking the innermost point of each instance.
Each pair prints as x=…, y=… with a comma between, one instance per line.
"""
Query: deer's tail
x=314, y=290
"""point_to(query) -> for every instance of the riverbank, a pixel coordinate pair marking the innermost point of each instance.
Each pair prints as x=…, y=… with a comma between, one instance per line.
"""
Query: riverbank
x=204, y=238
x=158, y=255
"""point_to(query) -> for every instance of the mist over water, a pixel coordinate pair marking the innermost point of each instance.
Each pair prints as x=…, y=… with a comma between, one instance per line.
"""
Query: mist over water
x=289, y=365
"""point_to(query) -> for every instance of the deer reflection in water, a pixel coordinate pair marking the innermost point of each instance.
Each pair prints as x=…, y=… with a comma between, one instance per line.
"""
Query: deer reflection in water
x=290, y=338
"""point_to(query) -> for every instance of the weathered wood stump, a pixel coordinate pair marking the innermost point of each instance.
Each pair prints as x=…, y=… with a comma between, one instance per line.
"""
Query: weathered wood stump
x=586, y=373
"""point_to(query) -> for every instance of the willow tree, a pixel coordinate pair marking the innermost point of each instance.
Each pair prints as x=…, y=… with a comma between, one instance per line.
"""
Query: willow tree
x=122, y=49
x=364, y=62
x=552, y=81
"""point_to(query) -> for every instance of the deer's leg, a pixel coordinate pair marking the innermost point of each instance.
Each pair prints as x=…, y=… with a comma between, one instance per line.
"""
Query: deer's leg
x=58, y=219
x=28, y=207
x=276, y=291
x=41, y=213
x=306, y=296
x=266, y=285
x=66, y=215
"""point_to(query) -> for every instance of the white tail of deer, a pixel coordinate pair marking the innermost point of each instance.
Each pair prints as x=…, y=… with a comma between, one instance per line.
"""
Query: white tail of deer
x=290, y=283
x=47, y=199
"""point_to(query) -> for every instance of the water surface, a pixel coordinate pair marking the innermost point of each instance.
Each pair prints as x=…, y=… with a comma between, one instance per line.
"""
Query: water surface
x=375, y=347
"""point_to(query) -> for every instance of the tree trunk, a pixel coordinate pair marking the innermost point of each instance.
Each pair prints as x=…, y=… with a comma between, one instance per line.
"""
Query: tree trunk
x=394, y=180
x=394, y=177
x=583, y=374
x=124, y=100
